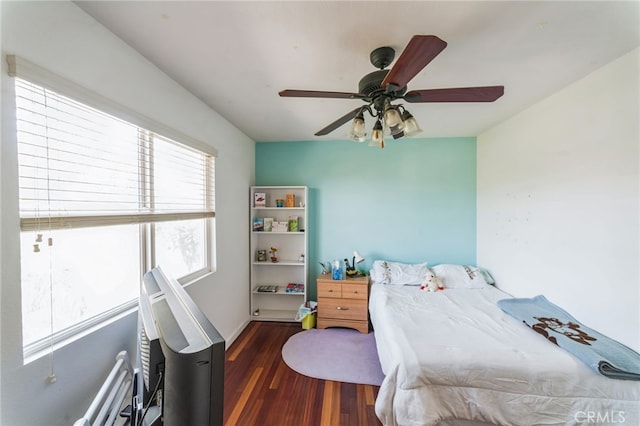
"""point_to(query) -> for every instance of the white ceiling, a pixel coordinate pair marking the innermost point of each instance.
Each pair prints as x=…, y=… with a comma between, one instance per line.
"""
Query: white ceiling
x=236, y=55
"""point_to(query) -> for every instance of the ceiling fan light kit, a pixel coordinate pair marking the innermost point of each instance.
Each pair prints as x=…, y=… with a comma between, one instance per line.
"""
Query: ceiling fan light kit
x=357, y=132
x=376, y=136
x=380, y=88
x=411, y=126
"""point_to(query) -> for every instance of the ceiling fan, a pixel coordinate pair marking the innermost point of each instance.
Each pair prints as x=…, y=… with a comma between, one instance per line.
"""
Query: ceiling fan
x=379, y=88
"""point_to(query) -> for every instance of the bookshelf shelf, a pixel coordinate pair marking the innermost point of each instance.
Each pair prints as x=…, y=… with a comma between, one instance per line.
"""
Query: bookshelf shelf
x=281, y=292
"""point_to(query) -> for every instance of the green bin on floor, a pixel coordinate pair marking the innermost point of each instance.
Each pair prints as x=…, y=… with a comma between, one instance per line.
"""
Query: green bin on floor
x=309, y=321
x=307, y=314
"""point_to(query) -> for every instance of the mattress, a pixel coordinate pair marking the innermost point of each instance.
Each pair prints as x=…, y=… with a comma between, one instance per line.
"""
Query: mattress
x=454, y=354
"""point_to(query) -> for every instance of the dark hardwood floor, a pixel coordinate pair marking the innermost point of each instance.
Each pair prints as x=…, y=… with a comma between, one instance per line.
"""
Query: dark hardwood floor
x=260, y=389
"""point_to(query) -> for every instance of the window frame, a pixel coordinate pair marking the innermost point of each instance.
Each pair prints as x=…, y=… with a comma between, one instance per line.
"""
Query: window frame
x=32, y=73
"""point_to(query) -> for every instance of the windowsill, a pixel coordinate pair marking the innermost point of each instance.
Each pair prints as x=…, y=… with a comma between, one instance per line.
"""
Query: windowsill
x=45, y=351
x=41, y=353
x=195, y=277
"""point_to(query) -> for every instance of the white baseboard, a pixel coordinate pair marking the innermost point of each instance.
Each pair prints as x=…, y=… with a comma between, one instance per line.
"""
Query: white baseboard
x=229, y=341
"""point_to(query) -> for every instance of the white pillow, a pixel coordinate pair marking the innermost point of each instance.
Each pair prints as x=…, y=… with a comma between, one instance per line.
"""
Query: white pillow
x=459, y=276
x=396, y=273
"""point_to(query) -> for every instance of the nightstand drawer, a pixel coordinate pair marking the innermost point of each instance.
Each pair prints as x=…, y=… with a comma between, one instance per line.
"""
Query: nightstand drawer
x=330, y=289
x=349, y=309
x=355, y=291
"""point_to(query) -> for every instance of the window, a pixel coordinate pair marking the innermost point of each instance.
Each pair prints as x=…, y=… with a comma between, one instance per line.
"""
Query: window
x=101, y=201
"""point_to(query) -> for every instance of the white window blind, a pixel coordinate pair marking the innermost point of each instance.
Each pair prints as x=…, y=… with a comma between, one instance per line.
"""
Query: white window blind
x=81, y=167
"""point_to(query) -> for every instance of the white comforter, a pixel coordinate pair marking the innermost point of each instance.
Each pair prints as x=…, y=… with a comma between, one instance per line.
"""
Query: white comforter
x=455, y=354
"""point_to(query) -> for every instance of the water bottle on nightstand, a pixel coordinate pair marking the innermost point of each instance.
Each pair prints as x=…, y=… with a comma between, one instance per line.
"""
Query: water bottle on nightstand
x=336, y=270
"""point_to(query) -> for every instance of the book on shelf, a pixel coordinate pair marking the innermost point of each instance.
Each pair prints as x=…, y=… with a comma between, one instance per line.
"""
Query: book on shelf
x=258, y=224
x=259, y=199
x=268, y=224
x=293, y=224
x=267, y=289
x=294, y=288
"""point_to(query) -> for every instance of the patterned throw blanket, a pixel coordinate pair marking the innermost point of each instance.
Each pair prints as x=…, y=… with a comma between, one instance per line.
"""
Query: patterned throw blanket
x=601, y=353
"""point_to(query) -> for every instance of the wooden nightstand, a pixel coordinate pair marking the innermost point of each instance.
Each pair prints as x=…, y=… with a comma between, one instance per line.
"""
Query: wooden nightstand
x=343, y=303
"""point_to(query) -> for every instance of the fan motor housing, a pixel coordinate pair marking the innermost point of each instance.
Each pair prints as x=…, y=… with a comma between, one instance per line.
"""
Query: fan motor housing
x=372, y=83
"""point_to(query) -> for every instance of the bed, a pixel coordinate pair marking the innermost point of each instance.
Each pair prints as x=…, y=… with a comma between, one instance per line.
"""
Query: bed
x=454, y=356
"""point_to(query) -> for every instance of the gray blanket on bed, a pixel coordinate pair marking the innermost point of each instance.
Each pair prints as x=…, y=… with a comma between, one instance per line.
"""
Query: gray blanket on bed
x=601, y=353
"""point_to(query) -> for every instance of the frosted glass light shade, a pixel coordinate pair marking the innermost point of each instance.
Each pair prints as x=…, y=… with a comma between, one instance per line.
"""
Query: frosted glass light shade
x=357, y=132
x=411, y=126
x=376, y=135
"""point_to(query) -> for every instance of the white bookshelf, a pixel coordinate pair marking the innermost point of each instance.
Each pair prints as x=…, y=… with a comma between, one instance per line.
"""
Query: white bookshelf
x=278, y=306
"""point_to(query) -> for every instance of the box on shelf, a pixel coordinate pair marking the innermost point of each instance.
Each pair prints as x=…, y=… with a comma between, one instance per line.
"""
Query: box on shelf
x=294, y=288
x=268, y=224
x=280, y=226
x=289, y=200
x=293, y=224
x=258, y=224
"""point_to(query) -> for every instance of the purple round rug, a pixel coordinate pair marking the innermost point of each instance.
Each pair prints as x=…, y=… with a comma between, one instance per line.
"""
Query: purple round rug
x=339, y=354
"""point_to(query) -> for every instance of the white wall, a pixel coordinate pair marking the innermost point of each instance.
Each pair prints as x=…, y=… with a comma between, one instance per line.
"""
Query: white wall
x=62, y=38
x=558, y=200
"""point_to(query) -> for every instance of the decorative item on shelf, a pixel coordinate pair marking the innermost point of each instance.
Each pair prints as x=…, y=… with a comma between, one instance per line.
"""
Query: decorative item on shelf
x=279, y=202
x=259, y=199
x=258, y=224
x=336, y=271
x=351, y=269
x=325, y=268
x=293, y=224
x=301, y=258
x=273, y=252
x=289, y=200
x=267, y=289
x=261, y=255
x=268, y=224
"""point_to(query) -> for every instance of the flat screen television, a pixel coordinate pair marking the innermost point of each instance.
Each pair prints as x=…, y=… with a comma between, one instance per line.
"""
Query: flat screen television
x=180, y=378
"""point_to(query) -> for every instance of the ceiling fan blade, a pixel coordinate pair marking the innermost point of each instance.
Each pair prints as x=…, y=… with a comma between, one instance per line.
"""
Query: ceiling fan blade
x=339, y=122
x=419, y=52
x=459, y=94
x=319, y=94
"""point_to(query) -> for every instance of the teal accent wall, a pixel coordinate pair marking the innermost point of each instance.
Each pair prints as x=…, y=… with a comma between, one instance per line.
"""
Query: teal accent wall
x=413, y=201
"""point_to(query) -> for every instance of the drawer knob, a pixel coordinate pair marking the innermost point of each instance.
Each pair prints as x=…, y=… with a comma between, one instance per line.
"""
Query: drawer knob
x=330, y=291
x=355, y=291
x=340, y=308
